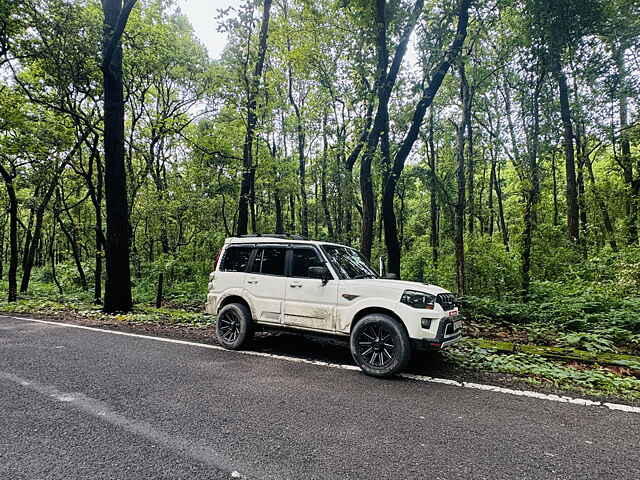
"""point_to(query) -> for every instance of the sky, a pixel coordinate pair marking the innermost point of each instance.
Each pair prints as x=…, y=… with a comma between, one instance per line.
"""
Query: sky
x=201, y=14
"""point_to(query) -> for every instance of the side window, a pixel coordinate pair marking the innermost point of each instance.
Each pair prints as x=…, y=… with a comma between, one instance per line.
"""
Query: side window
x=303, y=258
x=273, y=261
x=235, y=259
x=269, y=261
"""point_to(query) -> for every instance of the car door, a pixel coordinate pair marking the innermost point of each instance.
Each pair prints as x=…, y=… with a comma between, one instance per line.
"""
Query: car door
x=309, y=302
x=265, y=282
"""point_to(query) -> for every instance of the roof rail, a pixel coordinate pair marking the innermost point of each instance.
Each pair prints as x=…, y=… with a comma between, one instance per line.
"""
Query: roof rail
x=287, y=236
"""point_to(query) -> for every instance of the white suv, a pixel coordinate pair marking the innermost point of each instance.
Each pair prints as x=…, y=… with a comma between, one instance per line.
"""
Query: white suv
x=286, y=282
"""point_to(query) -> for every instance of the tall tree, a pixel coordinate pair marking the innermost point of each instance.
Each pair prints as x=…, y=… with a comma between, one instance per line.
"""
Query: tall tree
x=248, y=172
x=386, y=77
x=429, y=92
x=117, y=297
x=8, y=178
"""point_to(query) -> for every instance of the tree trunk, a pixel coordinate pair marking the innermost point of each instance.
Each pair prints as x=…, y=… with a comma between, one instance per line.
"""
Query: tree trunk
x=581, y=151
x=52, y=256
x=460, y=179
x=471, y=166
x=434, y=214
x=492, y=181
x=573, y=224
x=459, y=209
x=2, y=227
x=277, y=194
x=503, y=223
x=12, y=278
x=531, y=192
x=316, y=215
x=556, y=210
x=323, y=180
x=278, y=207
x=366, y=183
x=75, y=249
x=304, y=207
x=96, y=195
x=28, y=236
x=633, y=186
x=248, y=173
x=100, y=238
x=348, y=174
x=292, y=213
x=118, y=286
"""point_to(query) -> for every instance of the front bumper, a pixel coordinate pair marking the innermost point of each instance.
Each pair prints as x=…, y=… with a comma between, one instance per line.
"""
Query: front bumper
x=449, y=332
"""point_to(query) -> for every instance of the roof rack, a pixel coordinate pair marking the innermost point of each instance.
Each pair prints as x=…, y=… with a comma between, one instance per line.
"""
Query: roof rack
x=287, y=236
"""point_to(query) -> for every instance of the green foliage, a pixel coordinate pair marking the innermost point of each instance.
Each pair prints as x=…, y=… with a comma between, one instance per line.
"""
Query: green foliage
x=591, y=342
x=491, y=270
x=537, y=370
x=186, y=305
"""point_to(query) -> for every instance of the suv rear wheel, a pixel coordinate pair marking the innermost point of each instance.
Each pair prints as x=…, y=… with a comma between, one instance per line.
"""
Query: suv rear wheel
x=380, y=345
x=233, y=327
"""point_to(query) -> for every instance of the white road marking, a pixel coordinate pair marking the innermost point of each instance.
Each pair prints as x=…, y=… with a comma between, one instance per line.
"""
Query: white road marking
x=188, y=447
x=408, y=376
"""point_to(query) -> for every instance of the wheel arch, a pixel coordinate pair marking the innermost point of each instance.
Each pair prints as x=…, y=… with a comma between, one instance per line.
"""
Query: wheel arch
x=235, y=299
x=373, y=310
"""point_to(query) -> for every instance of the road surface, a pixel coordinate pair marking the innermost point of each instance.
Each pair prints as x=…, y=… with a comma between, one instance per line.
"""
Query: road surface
x=81, y=404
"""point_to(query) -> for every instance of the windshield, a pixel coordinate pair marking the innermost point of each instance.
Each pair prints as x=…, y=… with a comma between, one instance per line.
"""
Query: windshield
x=348, y=263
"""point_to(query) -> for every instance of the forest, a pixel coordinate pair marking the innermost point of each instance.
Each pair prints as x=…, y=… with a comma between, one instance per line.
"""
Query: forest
x=490, y=147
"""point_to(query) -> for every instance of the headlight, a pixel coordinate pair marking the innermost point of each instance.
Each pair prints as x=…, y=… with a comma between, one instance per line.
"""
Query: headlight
x=418, y=299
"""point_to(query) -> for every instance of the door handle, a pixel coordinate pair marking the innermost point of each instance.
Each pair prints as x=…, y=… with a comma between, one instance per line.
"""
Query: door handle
x=296, y=285
x=252, y=282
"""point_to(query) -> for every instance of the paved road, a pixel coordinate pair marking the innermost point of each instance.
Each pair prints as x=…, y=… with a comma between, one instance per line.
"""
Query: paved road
x=78, y=404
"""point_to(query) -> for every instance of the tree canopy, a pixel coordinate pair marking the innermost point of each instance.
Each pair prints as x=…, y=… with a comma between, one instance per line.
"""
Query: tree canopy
x=486, y=146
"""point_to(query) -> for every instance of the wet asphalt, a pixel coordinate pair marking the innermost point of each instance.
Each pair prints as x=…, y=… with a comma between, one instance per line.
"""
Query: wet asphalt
x=78, y=404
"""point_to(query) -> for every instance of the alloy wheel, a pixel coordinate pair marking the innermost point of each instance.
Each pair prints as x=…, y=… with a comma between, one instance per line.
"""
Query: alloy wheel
x=376, y=346
x=229, y=326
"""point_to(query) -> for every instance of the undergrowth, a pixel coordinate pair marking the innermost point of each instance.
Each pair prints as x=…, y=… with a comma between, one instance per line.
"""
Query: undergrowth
x=592, y=380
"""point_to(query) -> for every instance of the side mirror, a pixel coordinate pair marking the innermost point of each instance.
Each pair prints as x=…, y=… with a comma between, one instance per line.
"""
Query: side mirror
x=320, y=272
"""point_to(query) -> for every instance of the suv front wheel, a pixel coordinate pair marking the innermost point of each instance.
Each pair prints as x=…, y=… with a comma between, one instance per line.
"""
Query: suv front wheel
x=380, y=345
x=233, y=327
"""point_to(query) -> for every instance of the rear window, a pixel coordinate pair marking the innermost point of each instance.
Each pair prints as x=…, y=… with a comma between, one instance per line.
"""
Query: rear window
x=235, y=259
x=269, y=261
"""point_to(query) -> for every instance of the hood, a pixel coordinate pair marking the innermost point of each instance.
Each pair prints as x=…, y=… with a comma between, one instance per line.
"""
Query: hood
x=395, y=286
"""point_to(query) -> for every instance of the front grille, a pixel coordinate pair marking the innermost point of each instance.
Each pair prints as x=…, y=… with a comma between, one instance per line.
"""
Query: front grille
x=446, y=300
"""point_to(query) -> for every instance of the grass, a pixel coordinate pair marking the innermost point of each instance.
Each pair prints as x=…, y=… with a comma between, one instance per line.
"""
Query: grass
x=43, y=298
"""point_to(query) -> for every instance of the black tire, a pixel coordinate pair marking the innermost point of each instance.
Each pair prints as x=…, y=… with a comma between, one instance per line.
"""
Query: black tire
x=234, y=326
x=380, y=345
